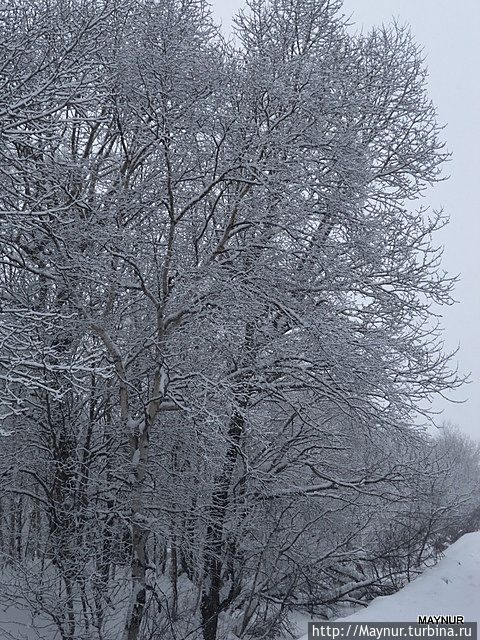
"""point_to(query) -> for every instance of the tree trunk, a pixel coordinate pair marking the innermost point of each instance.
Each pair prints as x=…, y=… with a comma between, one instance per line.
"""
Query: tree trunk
x=140, y=532
x=210, y=604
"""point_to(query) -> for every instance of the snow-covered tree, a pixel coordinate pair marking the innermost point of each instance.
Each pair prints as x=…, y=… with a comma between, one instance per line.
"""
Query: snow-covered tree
x=216, y=299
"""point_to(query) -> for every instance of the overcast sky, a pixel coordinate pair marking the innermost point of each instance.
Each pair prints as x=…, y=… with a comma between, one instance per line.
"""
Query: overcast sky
x=450, y=34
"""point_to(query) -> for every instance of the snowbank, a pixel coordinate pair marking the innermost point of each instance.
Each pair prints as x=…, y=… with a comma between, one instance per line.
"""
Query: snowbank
x=451, y=587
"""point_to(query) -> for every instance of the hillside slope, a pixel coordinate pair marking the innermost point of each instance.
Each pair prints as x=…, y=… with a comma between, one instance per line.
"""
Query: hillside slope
x=451, y=587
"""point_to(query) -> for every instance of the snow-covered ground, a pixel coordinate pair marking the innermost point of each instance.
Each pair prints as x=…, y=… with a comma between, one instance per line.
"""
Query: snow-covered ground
x=451, y=587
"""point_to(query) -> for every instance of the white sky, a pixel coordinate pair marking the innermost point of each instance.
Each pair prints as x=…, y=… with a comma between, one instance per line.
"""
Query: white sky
x=450, y=34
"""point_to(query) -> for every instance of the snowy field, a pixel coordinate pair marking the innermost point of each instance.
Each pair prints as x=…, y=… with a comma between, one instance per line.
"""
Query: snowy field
x=452, y=587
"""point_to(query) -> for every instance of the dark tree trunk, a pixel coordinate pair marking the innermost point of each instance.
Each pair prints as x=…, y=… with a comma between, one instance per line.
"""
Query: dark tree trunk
x=210, y=604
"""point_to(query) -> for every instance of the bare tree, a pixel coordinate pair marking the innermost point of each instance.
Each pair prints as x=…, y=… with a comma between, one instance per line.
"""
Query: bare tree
x=216, y=303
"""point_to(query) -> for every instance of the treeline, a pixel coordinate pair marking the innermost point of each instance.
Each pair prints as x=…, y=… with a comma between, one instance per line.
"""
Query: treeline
x=362, y=529
x=216, y=325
